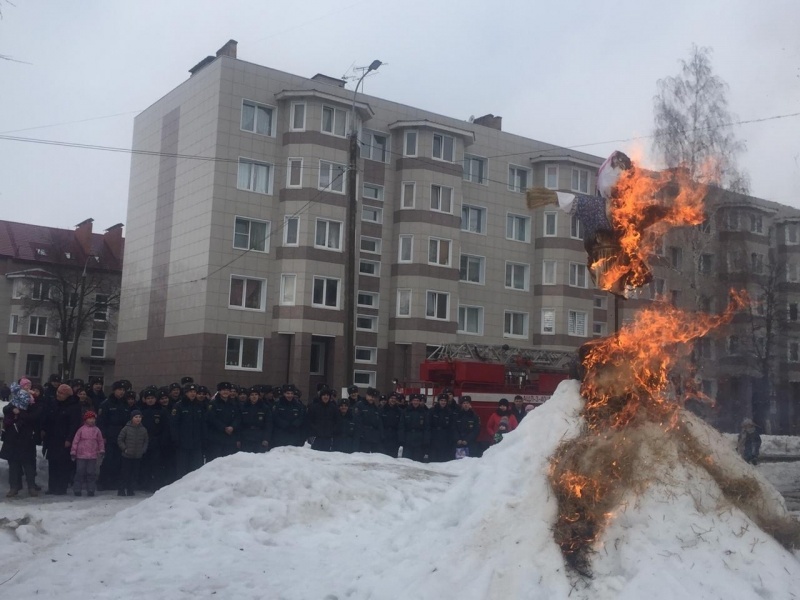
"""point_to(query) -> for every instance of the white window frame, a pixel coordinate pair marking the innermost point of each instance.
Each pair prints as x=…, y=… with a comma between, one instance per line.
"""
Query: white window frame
x=34, y=331
x=273, y=111
x=317, y=367
x=401, y=293
x=481, y=269
x=336, y=112
x=480, y=213
x=437, y=191
x=547, y=219
x=599, y=328
x=545, y=279
x=406, y=152
x=287, y=230
x=336, y=183
x=547, y=171
x=572, y=323
x=364, y=378
x=514, y=172
x=373, y=319
x=326, y=245
x=575, y=228
x=291, y=162
x=370, y=245
x=326, y=281
x=373, y=303
x=262, y=300
x=435, y=294
x=526, y=276
x=600, y=302
x=404, y=187
x=548, y=314
x=468, y=175
x=372, y=359
x=252, y=179
x=249, y=234
x=508, y=333
x=95, y=346
x=288, y=283
x=378, y=189
x=293, y=116
x=515, y=229
x=466, y=308
x=791, y=234
x=40, y=289
x=368, y=146
x=575, y=271
x=241, y=339
x=13, y=324
x=438, y=243
x=442, y=145
x=100, y=308
x=369, y=268
x=756, y=224
x=401, y=241
x=368, y=208
x=580, y=173
x=793, y=352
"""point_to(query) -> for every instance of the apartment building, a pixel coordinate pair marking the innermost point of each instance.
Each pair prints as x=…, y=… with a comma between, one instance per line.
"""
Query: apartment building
x=51, y=280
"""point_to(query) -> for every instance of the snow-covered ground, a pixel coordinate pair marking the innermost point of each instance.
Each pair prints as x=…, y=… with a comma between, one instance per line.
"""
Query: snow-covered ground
x=297, y=524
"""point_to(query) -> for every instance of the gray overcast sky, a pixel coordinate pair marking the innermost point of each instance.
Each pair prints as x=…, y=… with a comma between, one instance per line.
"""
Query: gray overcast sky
x=569, y=73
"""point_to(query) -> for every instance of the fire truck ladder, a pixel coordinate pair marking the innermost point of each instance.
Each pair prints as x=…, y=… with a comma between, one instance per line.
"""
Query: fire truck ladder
x=505, y=354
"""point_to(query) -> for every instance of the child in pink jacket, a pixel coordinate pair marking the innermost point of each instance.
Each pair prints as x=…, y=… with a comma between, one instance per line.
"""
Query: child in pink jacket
x=86, y=448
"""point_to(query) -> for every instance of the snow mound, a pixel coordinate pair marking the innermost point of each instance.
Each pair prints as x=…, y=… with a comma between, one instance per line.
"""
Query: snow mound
x=297, y=524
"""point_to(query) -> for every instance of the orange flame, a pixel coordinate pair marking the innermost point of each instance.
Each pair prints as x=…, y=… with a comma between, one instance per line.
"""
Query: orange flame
x=646, y=200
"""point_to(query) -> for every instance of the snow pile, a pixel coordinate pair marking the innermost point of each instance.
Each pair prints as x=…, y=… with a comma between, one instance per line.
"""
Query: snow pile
x=296, y=524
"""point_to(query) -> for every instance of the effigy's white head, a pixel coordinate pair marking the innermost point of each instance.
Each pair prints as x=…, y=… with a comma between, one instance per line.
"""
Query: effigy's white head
x=610, y=171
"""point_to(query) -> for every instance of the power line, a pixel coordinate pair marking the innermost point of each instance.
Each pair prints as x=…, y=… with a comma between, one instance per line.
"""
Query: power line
x=130, y=112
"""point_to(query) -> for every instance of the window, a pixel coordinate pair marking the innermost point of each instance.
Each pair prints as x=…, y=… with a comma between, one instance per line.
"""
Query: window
x=704, y=348
x=254, y=177
x=13, y=325
x=439, y=252
x=548, y=272
x=375, y=146
x=288, y=289
x=757, y=263
x=674, y=297
x=658, y=288
x=364, y=378
x=247, y=293
x=733, y=344
x=515, y=324
x=472, y=268
x=369, y=267
x=317, y=360
x=408, y=193
x=470, y=320
x=551, y=177
x=733, y=220
x=518, y=228
x=34, y=365
x=245, y=353
x=473, y=218
x=550, y=224
x=405, y=252
x=290, y=231
x=792, y=236
x=41, y=252
x=37, y=326
x=575, y=228
x=675, y=257
x=576, y=323
x=580, y=181
x=371, y=214
x=441, y=198
x=249, y=234
x=331, y=176
x=404, y=303
x=334, y=121
x=600, y=302
x=410, y=143
x=367, y=299
x=756, y=224
x=328, y=235
x=474, y=169
x=792, y=274
x=100, y=307
x=706, y=264
x=437, y=305
x=373, y=192
x=518, y=178
x=548, y=321
x=736, y=260
x=325, y=292
x=367, y=322
x=659, y=246
x=257, y=118
x=294, y=175
x=370, y=244
x=794, y=352
x=792, y=311
x=517, y=276
x=298, y=116
x=40, y=290
x=365, y=354
x=443, y=147
x=577, y=275
x=98, y=349
x=598, y=328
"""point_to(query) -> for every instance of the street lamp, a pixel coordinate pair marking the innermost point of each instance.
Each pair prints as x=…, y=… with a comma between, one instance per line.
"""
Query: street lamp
x=350, y=254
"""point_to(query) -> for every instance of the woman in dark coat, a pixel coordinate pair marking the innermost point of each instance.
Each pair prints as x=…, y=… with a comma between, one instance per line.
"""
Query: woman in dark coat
x=59, y=428
x=19, y=446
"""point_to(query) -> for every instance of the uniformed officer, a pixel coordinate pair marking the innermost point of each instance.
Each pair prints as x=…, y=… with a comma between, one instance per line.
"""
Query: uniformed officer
x=289, y=419
x=256, y=424
x=155, y=419
x=224, y=420
x=188, y=430
x=111, y=418
x=370, y=425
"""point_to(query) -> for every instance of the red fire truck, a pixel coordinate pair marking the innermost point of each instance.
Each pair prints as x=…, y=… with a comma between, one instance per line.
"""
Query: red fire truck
x=488, y=373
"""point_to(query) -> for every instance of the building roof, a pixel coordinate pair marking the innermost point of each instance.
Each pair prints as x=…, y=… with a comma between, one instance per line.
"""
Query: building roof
x=51, y=245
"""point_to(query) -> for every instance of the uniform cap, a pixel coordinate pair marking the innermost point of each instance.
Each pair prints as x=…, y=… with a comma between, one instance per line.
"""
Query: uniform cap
x=187, y=379
x=224, y=385
x=353, y=389
x=191, y=387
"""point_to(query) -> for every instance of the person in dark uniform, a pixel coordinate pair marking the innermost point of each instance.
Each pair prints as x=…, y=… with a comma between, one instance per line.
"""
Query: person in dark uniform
x=59, y=430
x=441, y=416
x=112, y=416
x=155, y=419
x=415, y=431
x=369, y=423
x=323, y=421
x=256, y=423
x=353, y=397
x=224, y=419
x=175, y=391
x=95, y=392
x=391, y=414
x=288, y=419
x=347, y=435
x=188, y=432
x=466, y=427
x=203, y=395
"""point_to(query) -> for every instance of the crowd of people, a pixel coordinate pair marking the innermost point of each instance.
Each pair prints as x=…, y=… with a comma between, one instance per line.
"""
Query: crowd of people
x=129, y=441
